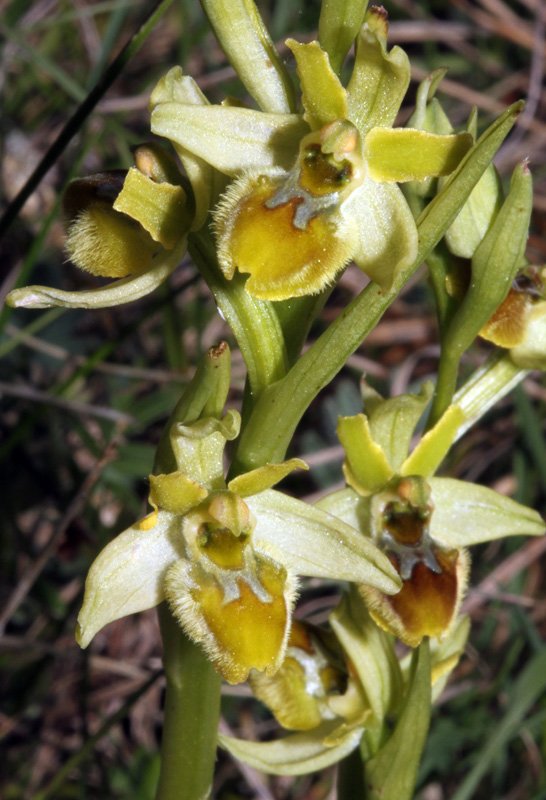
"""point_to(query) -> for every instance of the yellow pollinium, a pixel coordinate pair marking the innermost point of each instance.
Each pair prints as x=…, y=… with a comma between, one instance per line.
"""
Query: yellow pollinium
x=249, y=632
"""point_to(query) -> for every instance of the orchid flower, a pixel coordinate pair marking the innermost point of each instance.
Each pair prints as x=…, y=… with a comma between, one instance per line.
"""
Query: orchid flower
x=225, y=556
x=314, y=190
x=422, y=523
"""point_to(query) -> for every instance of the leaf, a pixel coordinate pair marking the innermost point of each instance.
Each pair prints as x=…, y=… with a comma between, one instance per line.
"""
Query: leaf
x=392, y=773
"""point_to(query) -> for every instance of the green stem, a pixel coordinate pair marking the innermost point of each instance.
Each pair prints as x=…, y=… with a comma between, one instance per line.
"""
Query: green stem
x=448, y=370
x=254, y=322
x=277, y=412
x=498, y=376
x=192, y=710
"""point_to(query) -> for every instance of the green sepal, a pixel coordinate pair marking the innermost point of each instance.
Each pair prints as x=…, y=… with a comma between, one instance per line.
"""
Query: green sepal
x=434, y=445
x=392, y=773
x=297, y=754
x=371, y=652
x=388, y=236
x=161, y=208
x=378, y=83
x=116, y=293
x=205, y=183
x=229, y=138
x=408, y=154
x=309, y=541
x=348, y=506
x=262, y=478
x=127, y=575
x=466, y=514
x=366, y=466
x=247, y=44
x=339, y=23
x=393, y=421
x=324, y=98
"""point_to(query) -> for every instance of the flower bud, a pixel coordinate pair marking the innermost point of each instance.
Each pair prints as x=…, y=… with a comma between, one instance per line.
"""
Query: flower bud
x=100, y=240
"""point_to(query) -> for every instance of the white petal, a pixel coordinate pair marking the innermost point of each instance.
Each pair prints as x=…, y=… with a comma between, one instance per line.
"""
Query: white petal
x=127, y=576
x=311, y=542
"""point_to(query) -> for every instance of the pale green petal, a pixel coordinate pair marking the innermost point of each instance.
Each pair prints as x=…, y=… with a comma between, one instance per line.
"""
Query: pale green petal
x=296, y=754
x=466, y=514
x=127, y=576
x=433, y=446
x=406, y=154
x=388, y=235
x=366, y=466
x=179, y=88
x=229, y=138
x=262, y=478
x=246, y=42
x=324, y=98
x=392, y=422
x=116, y=293
x=378, y=83
x=310, y=542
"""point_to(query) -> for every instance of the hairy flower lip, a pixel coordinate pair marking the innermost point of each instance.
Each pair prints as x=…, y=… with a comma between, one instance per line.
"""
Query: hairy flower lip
x=241, y=567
